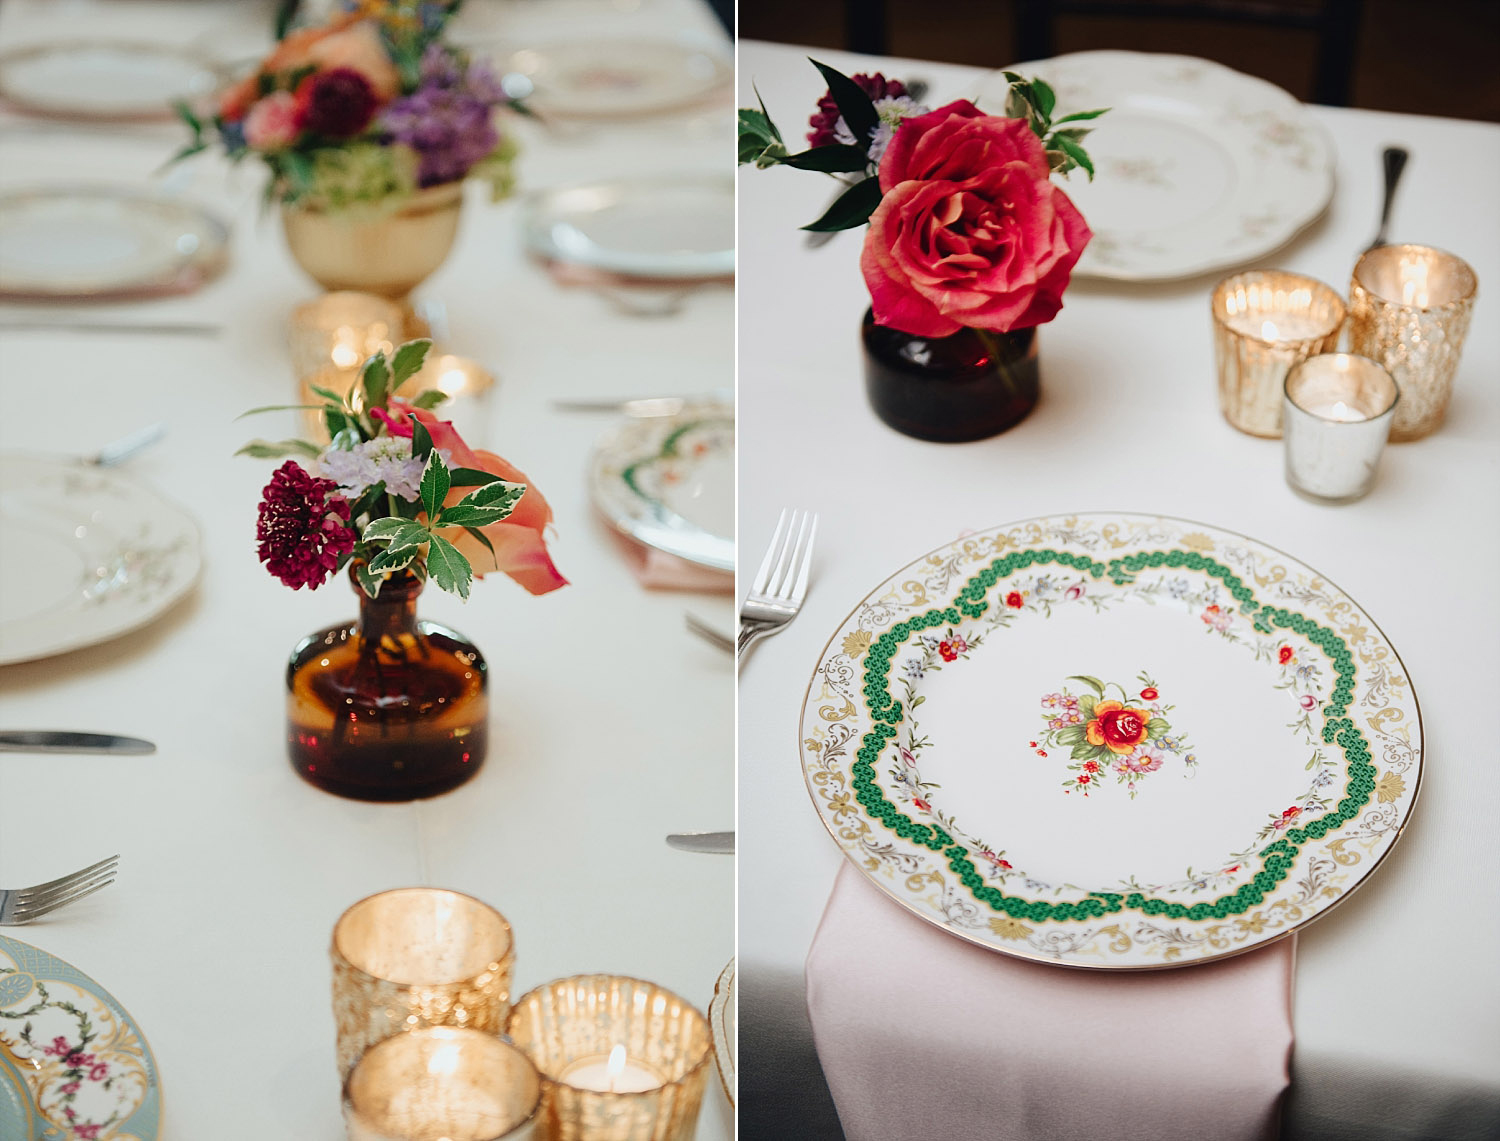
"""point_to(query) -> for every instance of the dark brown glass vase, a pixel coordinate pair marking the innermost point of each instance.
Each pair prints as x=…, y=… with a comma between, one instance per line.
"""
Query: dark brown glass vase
x=387, y=707
x=967, y=386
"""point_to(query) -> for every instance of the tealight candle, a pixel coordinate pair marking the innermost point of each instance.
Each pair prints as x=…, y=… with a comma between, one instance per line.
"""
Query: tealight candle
x=620, y=1059
x=331, y=337
x=1339, y=409
x=417, y=957
x=1409, y=310
x=442, y=1083
x=1264, y=323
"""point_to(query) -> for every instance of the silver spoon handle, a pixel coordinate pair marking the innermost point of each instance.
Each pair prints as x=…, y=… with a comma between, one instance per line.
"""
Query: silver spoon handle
x=1394, y=159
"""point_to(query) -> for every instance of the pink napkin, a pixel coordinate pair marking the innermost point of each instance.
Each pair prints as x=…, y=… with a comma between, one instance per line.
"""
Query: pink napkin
x=659, y=571
x=922, y=1035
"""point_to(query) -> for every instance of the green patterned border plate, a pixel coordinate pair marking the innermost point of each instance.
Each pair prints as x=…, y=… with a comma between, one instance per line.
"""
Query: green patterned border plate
x=1112, y=741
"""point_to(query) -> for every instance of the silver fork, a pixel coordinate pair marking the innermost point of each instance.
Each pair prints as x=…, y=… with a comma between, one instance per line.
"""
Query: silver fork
x=28, y=903
x=781, y=583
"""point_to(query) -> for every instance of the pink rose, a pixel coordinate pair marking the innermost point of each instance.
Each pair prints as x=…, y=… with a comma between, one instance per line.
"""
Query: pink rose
x=971, y=232
x=273, y=122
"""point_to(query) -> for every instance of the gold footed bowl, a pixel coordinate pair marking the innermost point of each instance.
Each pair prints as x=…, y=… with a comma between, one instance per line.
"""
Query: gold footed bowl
x=388, y=254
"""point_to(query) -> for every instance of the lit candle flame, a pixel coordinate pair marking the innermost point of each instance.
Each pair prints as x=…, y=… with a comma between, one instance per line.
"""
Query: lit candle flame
x=1414, y=283
x=616, y=1066
x=1340, y=410
x=444, y=1061
x=1268, y=330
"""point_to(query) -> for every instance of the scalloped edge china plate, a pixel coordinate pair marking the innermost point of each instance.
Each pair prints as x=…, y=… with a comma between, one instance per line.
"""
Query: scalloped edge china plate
x=85, y=555
x=33, y=1078
x=668, y=482
x=663, y=229
x=618, y=78
x=1199, y=167
x=1112, y=741
x=104, y=80
x=98, y=243
x=723, y=1018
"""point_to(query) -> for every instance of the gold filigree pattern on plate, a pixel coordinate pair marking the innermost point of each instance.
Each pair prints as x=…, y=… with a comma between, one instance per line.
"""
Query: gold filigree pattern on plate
x=837, y=724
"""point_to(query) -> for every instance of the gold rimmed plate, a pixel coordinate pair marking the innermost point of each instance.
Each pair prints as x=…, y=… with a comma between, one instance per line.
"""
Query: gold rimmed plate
x=1112, y=741
x=98, y=80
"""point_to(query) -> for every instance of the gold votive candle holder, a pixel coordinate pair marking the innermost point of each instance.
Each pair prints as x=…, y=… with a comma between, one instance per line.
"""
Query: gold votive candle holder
x=442, y=1084
x=465, y=383
x=331, y=337
x=1409, y=310
x=417, y=957
x=620, y=1059
x=1339, y=409
x=1265, y=321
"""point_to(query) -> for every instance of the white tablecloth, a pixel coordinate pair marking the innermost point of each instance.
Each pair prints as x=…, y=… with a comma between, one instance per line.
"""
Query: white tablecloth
x=1396, y=1008
x=611, y=724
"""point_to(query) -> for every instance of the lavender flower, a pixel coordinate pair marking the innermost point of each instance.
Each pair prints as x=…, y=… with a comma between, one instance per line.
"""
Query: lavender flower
x=446, y=120
x=385, y=459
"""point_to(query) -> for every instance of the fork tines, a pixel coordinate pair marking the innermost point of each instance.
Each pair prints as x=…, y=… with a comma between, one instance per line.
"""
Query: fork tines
x=789, y=553
x=30, y=903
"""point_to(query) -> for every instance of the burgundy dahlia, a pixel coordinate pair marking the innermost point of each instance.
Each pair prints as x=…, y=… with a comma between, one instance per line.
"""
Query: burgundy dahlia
x=337, y=104
x=823, y=123
x=303, y=527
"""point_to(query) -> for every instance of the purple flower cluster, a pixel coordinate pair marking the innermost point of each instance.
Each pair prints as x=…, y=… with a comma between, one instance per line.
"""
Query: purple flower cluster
x=446, y=120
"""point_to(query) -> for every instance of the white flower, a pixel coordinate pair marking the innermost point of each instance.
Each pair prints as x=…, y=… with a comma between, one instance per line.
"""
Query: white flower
x=386, y=459
x=890, y=111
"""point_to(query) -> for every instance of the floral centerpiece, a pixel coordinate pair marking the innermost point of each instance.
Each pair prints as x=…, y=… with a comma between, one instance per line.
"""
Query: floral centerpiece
x=969, y=246
x=390, y=707
x=367, y=117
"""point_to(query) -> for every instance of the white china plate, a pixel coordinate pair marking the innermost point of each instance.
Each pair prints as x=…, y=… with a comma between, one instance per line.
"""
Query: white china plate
x=102, y=1055
x=673, y=229
x=723, y=1021
x=618, y=78
x=98, y=243
x=104, y=80
x=668, y=482
x=85, y=555
x=1198, y=167
x=1112, y=741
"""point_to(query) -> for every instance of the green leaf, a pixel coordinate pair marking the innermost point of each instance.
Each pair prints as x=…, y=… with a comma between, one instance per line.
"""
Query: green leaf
x=280, y=408
x=369, y=581
x=373, y=496
x=837, y=158
x=402, y=532
x=394, y=558
x=449, y=569
x=338, y=422
x=851, y=208
x=854, y=105
x=405, y=508
x=376, y=381
x=497, y=496
x=421, y=440
x=298, y=169
x=1157, y=727
x=267, y=450
x=1071, y=734
x=429, y=398
x=1085, y=751
x=408, y=361
x=471, y=477
x=1092, y=682
x=1086, y=704
x=187, y=115
x=1044, y=97
x=435, y=483
x=327, y=394
x=1078, y=116
x=1076, y=153
x=343, y=440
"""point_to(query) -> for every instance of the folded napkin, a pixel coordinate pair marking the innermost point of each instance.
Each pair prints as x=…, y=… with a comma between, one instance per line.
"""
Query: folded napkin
x=922, y=1035
x=657, y=570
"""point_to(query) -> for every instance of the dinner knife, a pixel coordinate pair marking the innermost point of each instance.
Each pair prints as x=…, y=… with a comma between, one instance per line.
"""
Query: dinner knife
x=719, y=843
x=60, y=741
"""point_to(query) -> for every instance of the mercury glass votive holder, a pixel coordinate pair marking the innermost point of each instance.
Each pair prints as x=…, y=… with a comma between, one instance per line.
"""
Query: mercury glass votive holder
x=1409, y=310
x=442, y=1084
x=620, y=1059
x=331, y=337
x=1265, y=321
x=1339, y=409
x=417, y=957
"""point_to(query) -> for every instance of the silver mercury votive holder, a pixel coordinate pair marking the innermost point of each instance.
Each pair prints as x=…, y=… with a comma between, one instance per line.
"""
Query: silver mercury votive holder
x=1336, y=417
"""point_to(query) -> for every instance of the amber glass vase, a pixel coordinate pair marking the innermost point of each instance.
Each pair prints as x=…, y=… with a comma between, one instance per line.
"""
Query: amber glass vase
x=387, y=707
x=967, y=386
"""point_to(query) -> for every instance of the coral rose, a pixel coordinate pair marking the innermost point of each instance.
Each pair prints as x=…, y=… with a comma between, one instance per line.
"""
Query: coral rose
x=360, y=49
x=1117, y=727
x=294, y=51
x=970, y=232
x=518, y=539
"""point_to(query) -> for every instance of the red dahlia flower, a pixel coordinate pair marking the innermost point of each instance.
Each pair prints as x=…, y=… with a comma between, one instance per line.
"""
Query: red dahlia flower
x=303, y=527
x=338, y=103
x=823, y=123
